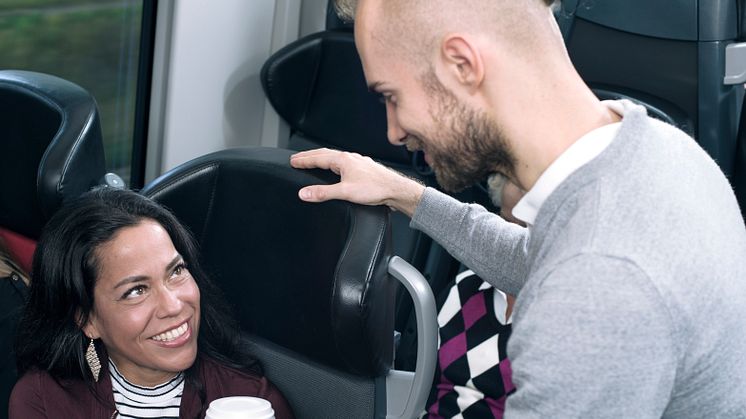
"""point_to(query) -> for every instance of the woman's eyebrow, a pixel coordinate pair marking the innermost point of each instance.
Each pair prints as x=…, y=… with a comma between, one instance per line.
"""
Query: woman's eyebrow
x=140, y=278
x=131, y=279
x=174, y=262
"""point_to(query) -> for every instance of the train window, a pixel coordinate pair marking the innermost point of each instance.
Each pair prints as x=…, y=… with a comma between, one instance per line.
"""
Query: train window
x=93, y=43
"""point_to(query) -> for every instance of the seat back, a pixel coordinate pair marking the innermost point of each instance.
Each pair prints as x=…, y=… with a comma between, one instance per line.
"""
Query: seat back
x=309, y=280
x=50, y=150
x=316, y=84
x=51, y=147
x=669, y=56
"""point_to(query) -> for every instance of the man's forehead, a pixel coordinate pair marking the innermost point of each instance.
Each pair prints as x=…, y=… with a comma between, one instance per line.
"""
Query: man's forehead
x=379, y=56
x=367, y=16
x=368, y=34
x=382, y=50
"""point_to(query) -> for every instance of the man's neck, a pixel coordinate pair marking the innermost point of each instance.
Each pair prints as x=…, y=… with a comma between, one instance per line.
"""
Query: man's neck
x=556, y=134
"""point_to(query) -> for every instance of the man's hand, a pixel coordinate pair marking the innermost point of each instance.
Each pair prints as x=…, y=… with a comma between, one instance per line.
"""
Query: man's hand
x=363, y=181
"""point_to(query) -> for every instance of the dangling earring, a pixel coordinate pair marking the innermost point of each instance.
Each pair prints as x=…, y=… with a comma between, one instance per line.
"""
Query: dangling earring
x=91, y=358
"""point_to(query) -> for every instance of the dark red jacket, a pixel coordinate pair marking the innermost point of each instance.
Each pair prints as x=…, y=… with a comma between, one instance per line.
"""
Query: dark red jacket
x=38, y=395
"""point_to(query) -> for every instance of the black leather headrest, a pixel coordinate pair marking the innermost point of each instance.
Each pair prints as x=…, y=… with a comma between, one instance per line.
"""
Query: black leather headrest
x=50, y=145
x=310, y=277
x=317, y=85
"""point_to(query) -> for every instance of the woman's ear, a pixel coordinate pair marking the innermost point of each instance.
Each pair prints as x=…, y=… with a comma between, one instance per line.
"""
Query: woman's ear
x=89, y=327
x=462, y=59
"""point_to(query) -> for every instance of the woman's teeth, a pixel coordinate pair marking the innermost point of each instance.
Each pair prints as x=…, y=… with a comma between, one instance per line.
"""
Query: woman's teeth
x=171, y=334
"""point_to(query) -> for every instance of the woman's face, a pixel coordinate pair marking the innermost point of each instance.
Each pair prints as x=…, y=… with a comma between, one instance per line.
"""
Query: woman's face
x=146, y=308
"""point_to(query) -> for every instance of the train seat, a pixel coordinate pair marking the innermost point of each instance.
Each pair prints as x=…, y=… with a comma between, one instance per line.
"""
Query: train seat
x=312, y=285
x=316, y=84
x=50, y=150
x=668, y=56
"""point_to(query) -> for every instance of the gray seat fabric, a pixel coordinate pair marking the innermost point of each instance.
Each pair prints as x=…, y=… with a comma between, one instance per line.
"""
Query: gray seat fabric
x=309, y=386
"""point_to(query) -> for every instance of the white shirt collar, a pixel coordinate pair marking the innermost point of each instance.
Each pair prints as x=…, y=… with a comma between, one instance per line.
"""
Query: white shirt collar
x=585, y=149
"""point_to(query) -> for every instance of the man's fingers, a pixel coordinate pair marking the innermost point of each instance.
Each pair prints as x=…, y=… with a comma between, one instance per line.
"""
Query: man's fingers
x=322, y=158
x=354, y=170
x=313, y=152
x=320, y=193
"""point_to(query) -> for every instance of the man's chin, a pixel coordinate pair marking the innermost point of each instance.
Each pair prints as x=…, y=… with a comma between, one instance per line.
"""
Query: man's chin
x=450, y=184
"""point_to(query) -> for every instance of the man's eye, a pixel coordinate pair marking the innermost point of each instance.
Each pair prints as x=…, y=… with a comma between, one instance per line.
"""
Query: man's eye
x=386, y=98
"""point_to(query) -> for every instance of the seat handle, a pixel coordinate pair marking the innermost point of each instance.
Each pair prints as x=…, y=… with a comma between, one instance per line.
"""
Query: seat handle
x=427, y=344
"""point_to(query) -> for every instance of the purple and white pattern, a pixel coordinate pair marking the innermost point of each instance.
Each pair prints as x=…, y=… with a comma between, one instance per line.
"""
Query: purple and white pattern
x=473, y=373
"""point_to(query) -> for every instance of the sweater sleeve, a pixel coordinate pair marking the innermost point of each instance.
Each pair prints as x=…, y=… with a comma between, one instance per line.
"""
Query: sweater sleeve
x=490, y=246
x=26, y=401
x=579, y=348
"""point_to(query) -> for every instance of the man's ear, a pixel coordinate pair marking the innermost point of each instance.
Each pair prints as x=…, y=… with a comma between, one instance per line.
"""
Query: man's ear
x=463, y=60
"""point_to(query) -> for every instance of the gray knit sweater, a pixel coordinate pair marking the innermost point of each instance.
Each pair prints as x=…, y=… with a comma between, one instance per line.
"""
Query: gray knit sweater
x=632, y=286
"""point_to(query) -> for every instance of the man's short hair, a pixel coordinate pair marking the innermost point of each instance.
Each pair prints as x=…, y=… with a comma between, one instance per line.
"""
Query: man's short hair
x=346, y=8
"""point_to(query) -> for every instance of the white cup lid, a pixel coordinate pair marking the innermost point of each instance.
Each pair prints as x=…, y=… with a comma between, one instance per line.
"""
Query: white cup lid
x=240, y=407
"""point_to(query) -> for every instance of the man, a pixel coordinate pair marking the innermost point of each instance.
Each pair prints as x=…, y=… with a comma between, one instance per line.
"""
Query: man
x=631, y=275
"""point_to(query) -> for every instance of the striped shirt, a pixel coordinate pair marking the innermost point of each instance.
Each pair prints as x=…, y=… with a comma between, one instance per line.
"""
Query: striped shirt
x=133, y=401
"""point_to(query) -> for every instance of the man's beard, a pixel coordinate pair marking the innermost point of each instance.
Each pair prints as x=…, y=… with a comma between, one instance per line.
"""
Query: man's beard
x=466, y=145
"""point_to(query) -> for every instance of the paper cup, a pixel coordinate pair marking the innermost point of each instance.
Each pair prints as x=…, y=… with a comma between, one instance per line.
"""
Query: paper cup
x=240, y=407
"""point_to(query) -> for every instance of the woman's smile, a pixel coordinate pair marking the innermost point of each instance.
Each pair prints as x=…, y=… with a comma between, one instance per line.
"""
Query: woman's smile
x=175, y=337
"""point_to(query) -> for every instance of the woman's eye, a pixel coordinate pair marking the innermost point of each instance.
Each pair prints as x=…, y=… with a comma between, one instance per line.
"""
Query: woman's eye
x=179, y=270
x=134, y=292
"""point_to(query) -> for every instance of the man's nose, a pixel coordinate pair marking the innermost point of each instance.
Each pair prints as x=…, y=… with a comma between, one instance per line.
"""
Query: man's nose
x=394, y=131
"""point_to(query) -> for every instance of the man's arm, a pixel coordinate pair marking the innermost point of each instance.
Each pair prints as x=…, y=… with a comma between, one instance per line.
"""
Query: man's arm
x=490, y=246
x=592, y=339
x=481, y=240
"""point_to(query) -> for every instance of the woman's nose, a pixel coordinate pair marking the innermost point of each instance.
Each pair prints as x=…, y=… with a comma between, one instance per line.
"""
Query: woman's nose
x=169, y=303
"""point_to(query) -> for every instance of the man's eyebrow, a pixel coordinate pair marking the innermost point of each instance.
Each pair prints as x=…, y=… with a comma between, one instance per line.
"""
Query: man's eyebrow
x=375, y=86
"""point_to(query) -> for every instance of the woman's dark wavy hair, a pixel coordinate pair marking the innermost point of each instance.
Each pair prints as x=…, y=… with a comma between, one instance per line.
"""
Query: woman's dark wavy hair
x=64, y=275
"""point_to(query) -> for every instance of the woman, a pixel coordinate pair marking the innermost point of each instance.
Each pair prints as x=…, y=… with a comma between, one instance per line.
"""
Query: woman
x=122, y=321
x=474, y=317
x=13, y=292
